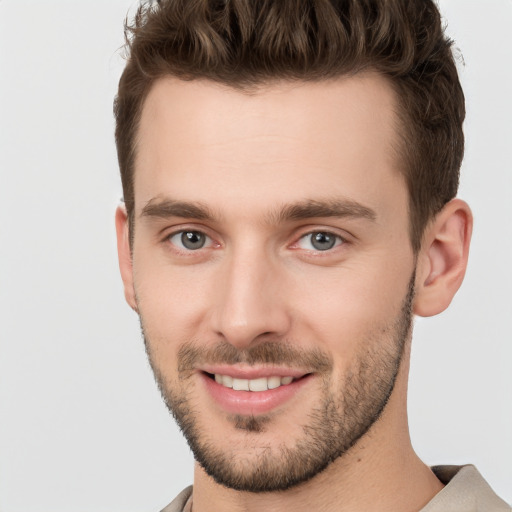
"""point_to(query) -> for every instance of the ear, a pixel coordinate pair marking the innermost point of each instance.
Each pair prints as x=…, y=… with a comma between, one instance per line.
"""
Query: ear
x=443, y=258
x=125, y=256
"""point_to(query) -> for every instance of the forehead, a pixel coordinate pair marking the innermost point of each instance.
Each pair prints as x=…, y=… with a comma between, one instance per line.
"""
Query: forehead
x=285, y=141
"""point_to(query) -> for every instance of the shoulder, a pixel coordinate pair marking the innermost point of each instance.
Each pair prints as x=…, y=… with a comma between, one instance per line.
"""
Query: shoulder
x=178, y=503
x=465, y=491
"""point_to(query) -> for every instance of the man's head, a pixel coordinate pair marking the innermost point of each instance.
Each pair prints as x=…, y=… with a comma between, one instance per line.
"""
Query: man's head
x=281, y=206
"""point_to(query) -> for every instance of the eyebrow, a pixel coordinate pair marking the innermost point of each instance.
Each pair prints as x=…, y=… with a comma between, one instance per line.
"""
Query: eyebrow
x=325, y=208
x=340, y=208
x=166, y=208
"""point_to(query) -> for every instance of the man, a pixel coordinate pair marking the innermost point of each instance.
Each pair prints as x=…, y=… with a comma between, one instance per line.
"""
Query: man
x=289, y=172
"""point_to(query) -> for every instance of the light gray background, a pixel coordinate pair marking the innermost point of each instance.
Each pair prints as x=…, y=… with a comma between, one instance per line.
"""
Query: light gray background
x=82, y=426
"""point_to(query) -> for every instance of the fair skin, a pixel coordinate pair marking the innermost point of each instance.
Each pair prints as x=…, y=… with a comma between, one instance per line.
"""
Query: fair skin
x=240, y=172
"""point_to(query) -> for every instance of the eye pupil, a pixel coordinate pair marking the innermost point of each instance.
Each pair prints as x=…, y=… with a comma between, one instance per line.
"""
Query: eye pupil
x=322, y=241
x=192, y=240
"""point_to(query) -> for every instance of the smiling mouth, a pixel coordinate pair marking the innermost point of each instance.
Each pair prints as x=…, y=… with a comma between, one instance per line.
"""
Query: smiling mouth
x=256, y=385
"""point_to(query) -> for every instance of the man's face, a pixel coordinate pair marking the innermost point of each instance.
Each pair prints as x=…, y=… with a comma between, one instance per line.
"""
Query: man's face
x=272, y=269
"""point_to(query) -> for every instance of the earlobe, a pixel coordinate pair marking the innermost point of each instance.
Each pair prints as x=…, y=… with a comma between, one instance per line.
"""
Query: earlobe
x=443, y=258
x=125, y=256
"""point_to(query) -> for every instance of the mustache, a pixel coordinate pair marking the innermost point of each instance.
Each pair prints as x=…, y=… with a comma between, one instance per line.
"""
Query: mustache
x=191, y=355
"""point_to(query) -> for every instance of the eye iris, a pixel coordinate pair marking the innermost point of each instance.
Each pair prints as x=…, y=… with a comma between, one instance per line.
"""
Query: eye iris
x=192, y=240
x=322, y=241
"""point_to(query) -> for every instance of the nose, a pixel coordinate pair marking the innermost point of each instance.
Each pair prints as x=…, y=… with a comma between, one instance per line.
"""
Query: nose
x=250, y=303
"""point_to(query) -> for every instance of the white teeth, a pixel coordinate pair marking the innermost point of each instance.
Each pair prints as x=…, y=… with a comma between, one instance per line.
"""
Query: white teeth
x=273, y=382
x=240, y=384
x=261, y=384
x=227, y=381
x=258, y=384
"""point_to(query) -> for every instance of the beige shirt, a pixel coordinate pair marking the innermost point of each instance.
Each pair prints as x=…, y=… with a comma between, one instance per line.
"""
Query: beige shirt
x=465, y=491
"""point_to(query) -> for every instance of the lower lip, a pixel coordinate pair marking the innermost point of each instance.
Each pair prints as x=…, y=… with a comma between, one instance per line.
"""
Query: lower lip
x=253, y=402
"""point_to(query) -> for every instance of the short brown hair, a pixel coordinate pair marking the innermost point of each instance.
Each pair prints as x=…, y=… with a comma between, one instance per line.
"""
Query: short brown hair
x=246, y=43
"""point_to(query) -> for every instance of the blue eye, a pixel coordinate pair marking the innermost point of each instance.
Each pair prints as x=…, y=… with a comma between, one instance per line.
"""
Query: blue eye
x=320, y=241
x=190, y=240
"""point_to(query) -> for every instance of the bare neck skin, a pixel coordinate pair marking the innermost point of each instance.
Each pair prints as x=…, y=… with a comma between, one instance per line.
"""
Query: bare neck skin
x=380, y=473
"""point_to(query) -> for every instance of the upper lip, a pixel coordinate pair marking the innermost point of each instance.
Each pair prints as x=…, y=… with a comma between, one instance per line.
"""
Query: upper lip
x=253, y=372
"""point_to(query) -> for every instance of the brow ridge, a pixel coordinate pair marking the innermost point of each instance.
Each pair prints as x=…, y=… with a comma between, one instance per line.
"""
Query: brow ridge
x=166, y=208
x=322, y=208
x=302, y=210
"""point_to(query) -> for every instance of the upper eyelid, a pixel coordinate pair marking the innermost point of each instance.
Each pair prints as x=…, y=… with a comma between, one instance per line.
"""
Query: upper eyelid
x=171, y=231
x=209, y=242
x=165, y=235
x=345, y=236
x=327, y=231
x=342, y=239
x=342, y=234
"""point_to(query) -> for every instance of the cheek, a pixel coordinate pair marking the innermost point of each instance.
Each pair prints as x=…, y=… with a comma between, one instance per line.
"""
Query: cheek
x=171, y=302
x=344, y=312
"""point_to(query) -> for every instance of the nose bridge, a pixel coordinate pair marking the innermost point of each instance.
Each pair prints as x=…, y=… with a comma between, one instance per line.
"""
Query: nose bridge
x=249, y=303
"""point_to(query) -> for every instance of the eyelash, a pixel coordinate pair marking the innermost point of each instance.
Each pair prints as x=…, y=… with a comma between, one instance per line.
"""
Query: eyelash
x=338, y=240
x=209, y=242
x=181, y=232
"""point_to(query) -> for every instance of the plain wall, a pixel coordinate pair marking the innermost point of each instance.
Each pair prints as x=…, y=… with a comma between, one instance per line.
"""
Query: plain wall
x=82, y=426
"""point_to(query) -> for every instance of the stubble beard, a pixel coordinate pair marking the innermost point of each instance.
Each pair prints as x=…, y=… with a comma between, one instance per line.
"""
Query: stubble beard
x=339, y=421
